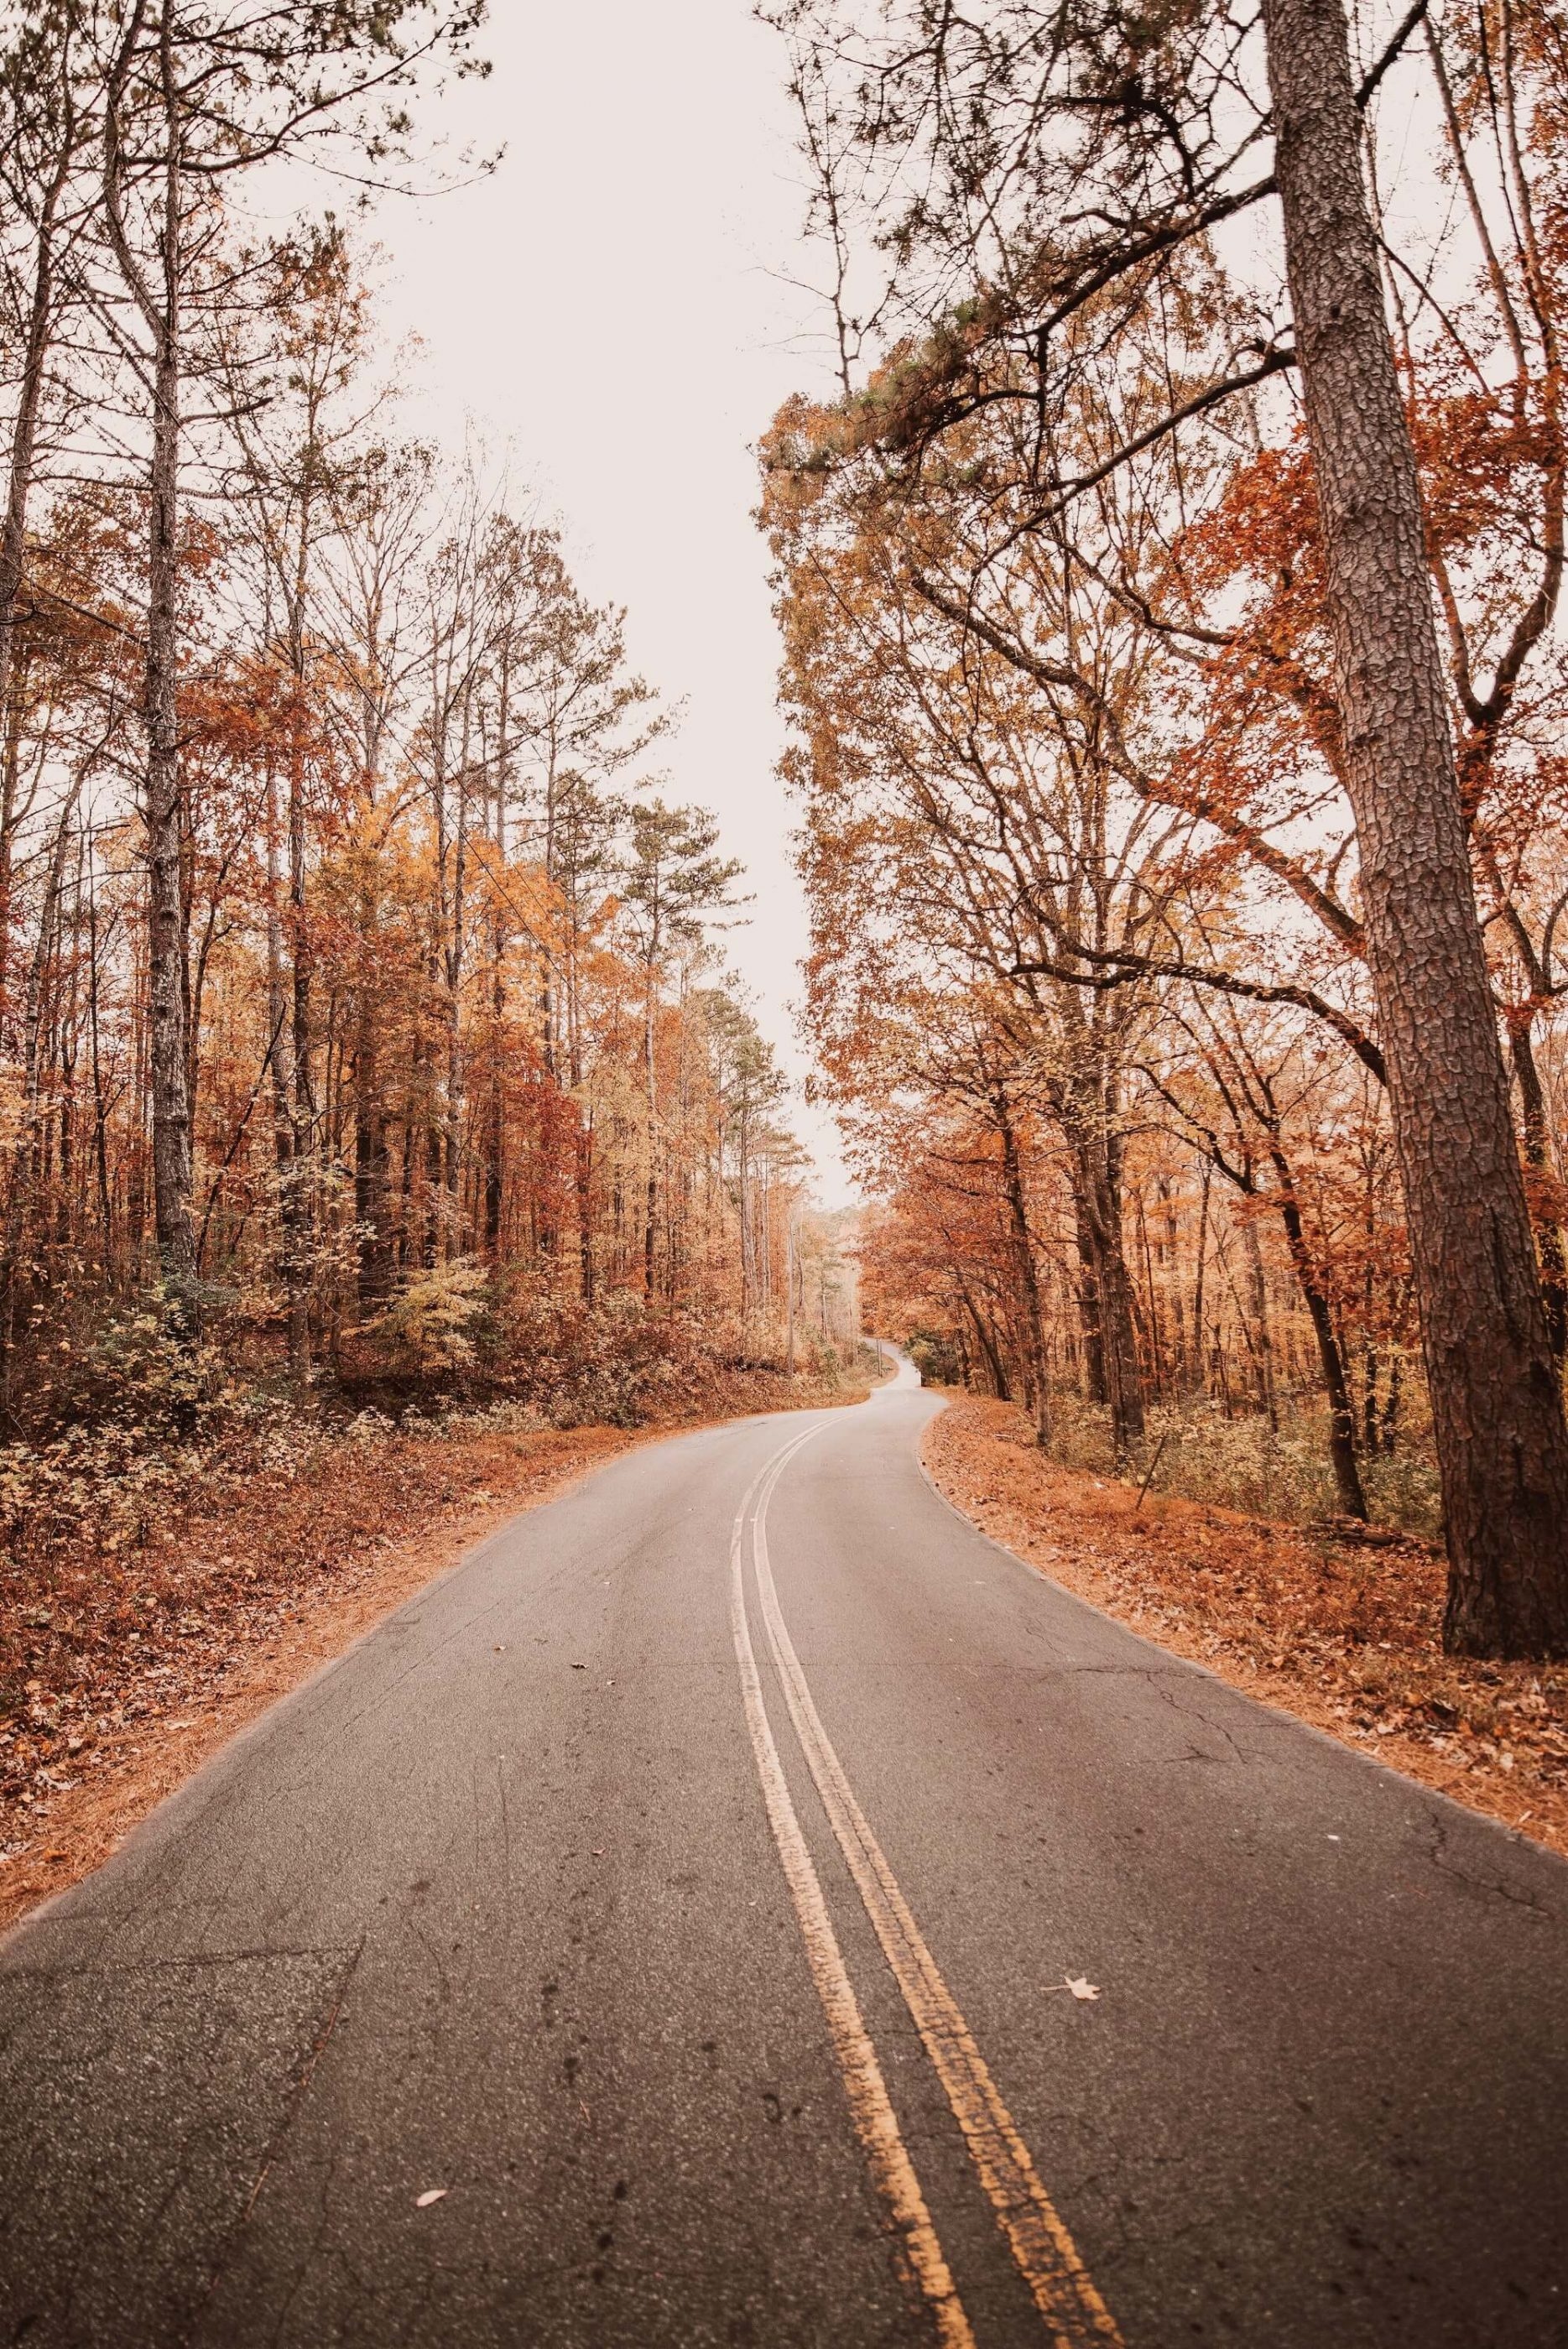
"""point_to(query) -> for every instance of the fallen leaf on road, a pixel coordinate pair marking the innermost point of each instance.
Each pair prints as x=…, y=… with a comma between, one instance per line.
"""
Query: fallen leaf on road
x=432, y=2194
x=1079, y=1984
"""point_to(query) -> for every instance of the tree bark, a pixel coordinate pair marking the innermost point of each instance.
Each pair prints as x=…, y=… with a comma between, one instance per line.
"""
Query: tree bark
x=1086, y=1291
x=163, y=811
x=1034, y=1355
x=1537, y=1135
x=299, y=1204
x=1497, y=1405
x=995, y=1366
x=582, y=1153
x=1111, y=1334
x=29, y=399
x=1336, y=1384
x=651, y=1203
x=1257, y=1281
x=162, y=796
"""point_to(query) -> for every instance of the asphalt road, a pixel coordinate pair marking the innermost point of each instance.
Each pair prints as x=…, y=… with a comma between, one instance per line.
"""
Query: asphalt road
x=709, y=1954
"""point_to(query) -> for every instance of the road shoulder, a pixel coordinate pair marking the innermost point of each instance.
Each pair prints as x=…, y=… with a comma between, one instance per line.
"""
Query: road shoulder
x=251, y=1596
x=1343, y=1637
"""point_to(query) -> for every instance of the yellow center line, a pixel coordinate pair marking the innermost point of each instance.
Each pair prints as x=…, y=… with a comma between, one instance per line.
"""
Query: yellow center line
x=869, y=2104
x=1062, y=2290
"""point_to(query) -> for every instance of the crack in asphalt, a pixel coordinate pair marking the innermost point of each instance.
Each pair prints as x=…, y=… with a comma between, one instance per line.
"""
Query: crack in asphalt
x=1438, y=1853
x=293, y=2105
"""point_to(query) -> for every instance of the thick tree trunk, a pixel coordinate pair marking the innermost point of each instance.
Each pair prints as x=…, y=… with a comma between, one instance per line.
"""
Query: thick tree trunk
x=1096, y=1183
x=1497, y=1405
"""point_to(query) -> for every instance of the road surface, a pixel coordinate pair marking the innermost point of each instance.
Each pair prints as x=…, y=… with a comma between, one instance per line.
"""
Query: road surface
x=686, y=1890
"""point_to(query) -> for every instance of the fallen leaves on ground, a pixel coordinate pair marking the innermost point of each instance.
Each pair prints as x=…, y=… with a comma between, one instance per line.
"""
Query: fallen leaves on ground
x=1344, y=1633
x=124, y=1668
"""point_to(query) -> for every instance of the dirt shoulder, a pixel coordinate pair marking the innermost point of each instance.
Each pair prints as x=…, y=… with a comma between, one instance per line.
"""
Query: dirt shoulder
x=137, y=1668
x=1343, y=1634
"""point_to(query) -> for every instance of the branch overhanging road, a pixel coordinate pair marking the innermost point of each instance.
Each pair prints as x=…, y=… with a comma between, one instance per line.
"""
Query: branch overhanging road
x=684, y=1891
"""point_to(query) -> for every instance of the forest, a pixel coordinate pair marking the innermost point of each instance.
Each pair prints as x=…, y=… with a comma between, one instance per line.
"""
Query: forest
x=1171, y=600
x=1168, y=575
x=363, y=1015
x=663, y=1683
x=367, y=1045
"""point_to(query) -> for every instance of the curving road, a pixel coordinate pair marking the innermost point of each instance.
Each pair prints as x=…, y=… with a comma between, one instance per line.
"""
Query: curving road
x=688, y=1887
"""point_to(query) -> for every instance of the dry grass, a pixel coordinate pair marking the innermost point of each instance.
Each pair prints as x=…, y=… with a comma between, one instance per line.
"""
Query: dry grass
x=1343, y=1634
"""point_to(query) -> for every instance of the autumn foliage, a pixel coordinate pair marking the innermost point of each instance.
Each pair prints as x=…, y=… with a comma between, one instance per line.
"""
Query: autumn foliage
x=1123, y=1040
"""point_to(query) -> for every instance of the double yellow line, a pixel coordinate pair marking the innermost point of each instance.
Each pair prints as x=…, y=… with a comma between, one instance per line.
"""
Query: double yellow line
x=1071, y=2309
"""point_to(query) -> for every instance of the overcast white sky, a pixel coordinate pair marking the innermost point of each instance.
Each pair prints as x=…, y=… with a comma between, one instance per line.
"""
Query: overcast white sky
x=610, y=302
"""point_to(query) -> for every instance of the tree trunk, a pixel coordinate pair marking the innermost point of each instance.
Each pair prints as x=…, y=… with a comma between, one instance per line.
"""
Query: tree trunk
x=162, y=798
x=299, y=1205
x=1034, y=1358
x=1172, y=1260
x=280, y=1058
x=162, y=812
x=1257, y=1281
x=1091, y=1313
x=29, y=399
x=988, y=1348
x=1336, y=1384
x=1537, y=1135
x=651, y=1205
x=789, y=1293
x=1097, y=1186
x=584, y=1154
x=1497, y=1405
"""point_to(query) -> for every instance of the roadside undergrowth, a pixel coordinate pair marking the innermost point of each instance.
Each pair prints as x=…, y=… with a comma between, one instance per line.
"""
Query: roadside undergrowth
x=1344, y=1633
x=147, y=1615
